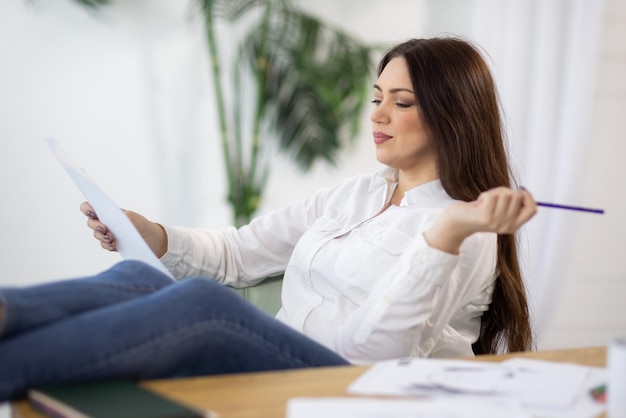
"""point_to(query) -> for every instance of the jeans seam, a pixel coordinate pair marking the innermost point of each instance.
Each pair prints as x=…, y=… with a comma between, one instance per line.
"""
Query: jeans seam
x=134, y=289
x=191, y=331
x=9, y=317
x=125, y=354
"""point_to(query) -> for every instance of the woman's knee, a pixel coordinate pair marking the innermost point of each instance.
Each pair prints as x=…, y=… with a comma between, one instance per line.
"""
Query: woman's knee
x=207, y=292
x=195, y=300
x=137, y=272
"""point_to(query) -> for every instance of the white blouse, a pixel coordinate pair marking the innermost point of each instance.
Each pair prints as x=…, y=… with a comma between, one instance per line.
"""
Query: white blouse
x=359, y=279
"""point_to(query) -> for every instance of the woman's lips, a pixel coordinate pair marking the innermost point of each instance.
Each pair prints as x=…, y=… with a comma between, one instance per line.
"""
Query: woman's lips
x=380, y=137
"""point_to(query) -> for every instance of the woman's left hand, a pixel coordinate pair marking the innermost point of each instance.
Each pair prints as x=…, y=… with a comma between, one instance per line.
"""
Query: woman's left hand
x=500, y=210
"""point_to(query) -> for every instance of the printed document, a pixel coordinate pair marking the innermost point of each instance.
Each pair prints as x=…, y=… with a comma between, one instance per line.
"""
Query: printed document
x=129, y=242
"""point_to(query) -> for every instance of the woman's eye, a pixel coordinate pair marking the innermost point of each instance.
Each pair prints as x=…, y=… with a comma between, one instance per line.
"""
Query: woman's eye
x=377, y=102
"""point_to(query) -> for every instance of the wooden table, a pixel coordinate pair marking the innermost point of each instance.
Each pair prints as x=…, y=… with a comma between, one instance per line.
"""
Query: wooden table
x=264, y=395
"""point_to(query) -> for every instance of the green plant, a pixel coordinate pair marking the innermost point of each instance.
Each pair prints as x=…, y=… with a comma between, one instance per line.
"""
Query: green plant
x=308, y=88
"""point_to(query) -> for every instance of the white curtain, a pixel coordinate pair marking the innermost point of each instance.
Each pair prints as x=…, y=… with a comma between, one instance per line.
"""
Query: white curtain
x=544, y=56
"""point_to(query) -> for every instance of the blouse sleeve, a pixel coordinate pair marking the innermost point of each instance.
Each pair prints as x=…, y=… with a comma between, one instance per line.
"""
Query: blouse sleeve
x=243, y=256
x=407, y=311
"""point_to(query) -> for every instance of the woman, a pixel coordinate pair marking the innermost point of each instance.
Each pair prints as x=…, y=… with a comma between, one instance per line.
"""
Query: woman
x=416, y=260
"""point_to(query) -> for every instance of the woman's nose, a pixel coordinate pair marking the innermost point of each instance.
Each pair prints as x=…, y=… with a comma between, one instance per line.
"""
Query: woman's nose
x=379, y=115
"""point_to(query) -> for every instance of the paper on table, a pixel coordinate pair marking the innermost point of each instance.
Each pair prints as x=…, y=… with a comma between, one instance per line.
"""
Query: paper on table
x=537, y=385
x=545, y=383
x=129, y=242
x=584, y=405
x=417, y=376
x=398, y=408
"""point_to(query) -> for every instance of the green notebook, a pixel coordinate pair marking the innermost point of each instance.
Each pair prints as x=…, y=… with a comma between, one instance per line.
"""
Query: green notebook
x=108, y=399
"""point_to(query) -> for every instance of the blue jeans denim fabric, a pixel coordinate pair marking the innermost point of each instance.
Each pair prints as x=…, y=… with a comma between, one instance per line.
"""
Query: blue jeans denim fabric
x=133, y=322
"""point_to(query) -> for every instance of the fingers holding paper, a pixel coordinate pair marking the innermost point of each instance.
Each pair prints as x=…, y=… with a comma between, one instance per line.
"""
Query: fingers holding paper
x=152, y=233
x=100, y=230
x=500, y=210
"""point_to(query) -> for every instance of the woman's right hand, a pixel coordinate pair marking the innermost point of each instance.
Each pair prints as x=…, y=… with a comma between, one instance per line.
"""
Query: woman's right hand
x=153, y=233
x=500, y=210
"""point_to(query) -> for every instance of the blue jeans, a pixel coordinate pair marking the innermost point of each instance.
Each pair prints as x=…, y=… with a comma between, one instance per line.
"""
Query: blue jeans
x=132, y=321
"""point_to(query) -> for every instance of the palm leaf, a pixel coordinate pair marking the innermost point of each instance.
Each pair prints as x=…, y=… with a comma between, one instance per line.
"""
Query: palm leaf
x=228, y=9
x=313, y=85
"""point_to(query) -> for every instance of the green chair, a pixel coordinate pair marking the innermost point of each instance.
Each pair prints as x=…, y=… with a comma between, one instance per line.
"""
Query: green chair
x=265, y=295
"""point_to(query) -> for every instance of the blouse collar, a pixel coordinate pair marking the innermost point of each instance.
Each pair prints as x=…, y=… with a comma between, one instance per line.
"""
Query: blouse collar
x=427, y=195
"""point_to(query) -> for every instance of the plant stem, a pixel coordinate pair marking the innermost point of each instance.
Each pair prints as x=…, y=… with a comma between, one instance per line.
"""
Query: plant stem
x=219, y=95
x=261, y=76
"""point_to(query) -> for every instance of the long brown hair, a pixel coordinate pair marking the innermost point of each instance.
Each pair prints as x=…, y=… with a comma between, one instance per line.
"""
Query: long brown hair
x=458, y=100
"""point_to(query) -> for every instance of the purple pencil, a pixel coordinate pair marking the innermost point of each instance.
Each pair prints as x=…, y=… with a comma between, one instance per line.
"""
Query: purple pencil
x=567, y=207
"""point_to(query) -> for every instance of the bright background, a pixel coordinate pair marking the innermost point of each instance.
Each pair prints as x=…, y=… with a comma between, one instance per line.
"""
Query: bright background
x=127, y=93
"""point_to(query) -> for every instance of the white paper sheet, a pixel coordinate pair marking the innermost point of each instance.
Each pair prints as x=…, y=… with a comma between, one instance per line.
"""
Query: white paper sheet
x=129, y=242
x=398, y=408
x=545, y=389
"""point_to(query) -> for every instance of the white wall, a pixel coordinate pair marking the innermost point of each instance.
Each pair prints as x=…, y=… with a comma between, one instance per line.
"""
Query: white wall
x=590, y=309
x=126, y=93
